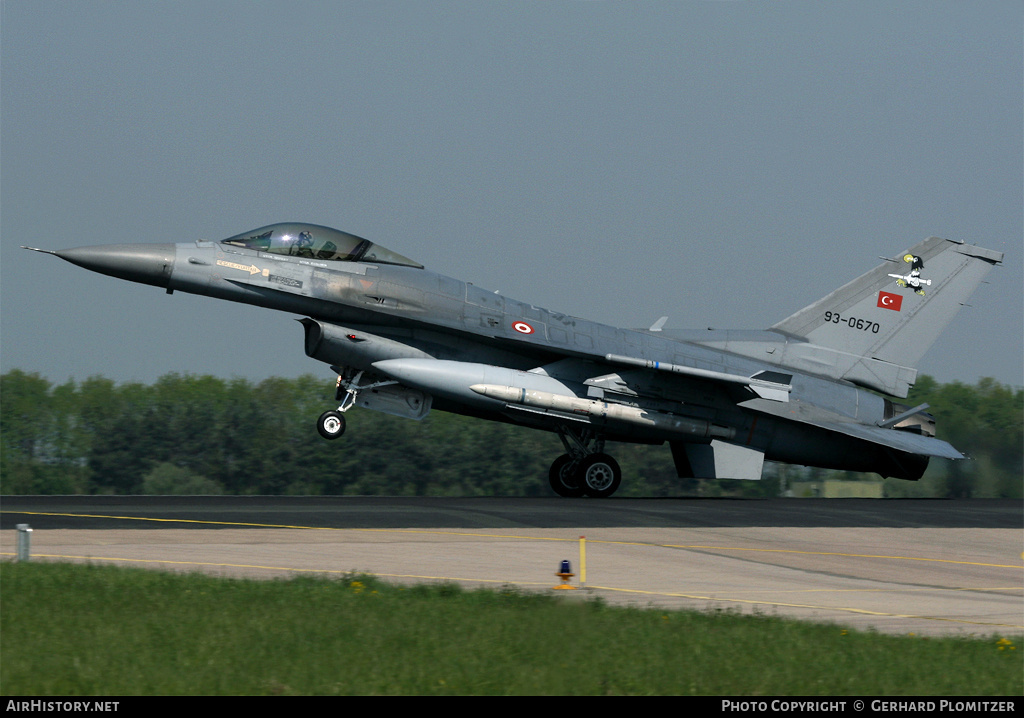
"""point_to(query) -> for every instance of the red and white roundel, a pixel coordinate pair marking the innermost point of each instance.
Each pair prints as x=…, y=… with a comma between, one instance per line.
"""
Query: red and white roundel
x=522, y=327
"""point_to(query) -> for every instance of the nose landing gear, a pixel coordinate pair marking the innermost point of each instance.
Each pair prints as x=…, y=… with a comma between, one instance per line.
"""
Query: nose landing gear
x=331, y=424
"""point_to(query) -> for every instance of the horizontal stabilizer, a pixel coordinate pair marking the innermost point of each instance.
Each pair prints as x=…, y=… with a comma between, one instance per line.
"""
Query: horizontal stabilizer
x=898, y=439
x=895, y=439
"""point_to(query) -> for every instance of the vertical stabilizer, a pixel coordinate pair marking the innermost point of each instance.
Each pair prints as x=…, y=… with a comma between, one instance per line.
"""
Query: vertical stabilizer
x=875, y=329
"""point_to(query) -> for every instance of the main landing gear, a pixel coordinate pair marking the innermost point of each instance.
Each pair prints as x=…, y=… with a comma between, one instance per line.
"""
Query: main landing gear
x=584, y=470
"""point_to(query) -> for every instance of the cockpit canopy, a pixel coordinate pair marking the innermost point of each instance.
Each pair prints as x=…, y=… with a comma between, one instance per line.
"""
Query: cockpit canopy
x=315, y=242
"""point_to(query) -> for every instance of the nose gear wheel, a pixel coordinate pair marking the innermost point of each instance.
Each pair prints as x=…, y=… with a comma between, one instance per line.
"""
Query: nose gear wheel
x=331, y=424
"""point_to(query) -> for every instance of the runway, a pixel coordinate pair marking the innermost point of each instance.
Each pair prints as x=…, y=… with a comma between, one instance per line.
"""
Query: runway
x=927, y=567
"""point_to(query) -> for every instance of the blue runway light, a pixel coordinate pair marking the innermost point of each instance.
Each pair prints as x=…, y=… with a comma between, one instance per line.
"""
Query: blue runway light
x=565, y=573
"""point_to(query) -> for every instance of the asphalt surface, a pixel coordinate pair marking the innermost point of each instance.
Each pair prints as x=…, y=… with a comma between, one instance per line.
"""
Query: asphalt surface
x=95, y=512
x=928, y=567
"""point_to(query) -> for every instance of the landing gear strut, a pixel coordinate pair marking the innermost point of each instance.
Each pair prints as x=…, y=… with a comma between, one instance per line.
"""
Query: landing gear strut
x=584, y=469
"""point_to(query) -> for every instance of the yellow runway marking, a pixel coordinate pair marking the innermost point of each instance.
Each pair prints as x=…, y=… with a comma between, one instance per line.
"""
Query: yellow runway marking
x=846, y=609
x=847, y=555
x=277, y=568
x=524, y=538
x=901, y=590
x=284, y=526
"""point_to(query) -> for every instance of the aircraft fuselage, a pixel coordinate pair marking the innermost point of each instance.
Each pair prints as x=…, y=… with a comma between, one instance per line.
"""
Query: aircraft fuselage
x=404, y=339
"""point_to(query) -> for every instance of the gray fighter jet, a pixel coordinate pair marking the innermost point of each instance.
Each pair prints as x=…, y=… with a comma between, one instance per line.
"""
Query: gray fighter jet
x=403, y=340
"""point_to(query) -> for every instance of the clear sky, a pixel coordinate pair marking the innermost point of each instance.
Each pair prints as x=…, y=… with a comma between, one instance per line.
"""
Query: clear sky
x=722, y=163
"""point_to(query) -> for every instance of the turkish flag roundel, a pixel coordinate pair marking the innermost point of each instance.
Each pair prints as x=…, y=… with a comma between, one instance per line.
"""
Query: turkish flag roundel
x=888, y=300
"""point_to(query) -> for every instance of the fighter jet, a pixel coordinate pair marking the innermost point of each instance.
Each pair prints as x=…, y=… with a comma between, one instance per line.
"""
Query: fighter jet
x=405, y=340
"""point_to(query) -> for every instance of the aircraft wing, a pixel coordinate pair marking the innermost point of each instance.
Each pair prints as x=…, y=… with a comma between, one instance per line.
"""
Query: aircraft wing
x=771, y=385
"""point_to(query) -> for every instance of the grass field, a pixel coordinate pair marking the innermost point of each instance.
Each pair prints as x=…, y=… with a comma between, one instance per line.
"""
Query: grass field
x=68, y=630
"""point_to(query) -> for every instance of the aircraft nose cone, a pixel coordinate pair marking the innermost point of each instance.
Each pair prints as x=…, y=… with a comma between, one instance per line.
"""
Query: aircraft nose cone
x=145, y=263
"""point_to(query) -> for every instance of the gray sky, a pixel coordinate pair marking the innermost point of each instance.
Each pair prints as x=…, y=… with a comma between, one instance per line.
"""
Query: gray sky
x=724, y=163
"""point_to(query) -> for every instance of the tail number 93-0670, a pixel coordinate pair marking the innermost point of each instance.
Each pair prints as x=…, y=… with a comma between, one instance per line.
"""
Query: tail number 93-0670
x=852, y=322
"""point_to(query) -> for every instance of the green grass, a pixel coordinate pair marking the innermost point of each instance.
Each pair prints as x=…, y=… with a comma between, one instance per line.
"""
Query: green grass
x=101, y=630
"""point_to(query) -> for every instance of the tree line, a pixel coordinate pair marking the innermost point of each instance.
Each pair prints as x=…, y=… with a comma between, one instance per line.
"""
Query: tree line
x=188, y=434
